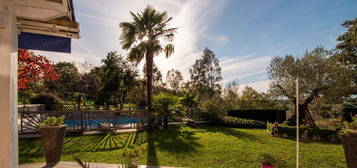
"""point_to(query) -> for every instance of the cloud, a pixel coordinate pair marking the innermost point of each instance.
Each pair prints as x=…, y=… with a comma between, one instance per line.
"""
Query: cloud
x=100, y=31
x=260, y=86
x=239, y=68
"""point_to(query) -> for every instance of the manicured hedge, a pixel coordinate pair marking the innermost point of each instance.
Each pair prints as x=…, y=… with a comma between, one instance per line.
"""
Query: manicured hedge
x=50, y=100
x=305, y=133
x=271, y=115
x=239, y=122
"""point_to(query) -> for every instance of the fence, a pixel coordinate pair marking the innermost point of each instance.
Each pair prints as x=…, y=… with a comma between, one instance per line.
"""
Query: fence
x=79, y=121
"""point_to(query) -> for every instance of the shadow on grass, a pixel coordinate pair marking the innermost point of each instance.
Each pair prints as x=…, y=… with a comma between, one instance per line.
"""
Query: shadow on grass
x=32, y=148
x=233, y=132
x=151, y=150
x=173, y=140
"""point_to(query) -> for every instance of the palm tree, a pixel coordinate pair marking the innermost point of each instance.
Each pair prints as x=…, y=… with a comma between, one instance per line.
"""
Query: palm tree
x=143, y=37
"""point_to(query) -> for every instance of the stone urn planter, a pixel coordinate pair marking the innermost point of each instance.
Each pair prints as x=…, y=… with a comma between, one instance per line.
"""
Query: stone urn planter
x=349, y=142
x=53, y=131
x=53, y=137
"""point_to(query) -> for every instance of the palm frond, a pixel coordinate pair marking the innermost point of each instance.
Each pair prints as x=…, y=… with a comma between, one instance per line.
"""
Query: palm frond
x=137, y=53
x=128, y=35
x=169, y=50
x=148, y=23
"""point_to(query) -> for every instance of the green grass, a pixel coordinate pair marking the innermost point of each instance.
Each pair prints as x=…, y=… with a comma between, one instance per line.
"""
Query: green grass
x=193, y=147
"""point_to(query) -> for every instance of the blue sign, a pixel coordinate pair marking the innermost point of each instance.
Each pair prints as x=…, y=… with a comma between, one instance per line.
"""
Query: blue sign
x=42, y=42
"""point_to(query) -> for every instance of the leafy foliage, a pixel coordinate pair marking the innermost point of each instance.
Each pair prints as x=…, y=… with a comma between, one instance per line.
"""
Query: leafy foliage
x=49, y=99
x=231, y=95
x=167, y=105
x=212, y=109
x=239, y=122
x=156, y=77
x=347, y=46
x=322, y=78
x=33, y=68
x=131, y=157
x=206, y=75
x=346, y=54
x=52, y=121
x=68, y=81
x=323, y=134
x=174, y=79
x=117, y=77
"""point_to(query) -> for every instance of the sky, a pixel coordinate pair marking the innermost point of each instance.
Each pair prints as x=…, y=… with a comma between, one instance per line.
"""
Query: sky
x=244, y=34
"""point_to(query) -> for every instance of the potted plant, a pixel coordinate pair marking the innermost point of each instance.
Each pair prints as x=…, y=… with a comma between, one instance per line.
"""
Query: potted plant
x=52, y=130
x=131, y=157
x=267, y=161
x=349, y=142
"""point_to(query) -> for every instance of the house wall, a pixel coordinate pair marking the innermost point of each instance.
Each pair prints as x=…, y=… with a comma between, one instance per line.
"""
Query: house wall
x=8, y=86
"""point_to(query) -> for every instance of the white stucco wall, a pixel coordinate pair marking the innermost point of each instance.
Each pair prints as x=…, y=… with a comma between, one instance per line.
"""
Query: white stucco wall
x=8, y=87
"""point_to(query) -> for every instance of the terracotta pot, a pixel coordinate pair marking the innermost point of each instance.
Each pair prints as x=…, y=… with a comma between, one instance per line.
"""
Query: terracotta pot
x=350, y=147
x=266, y=166
x=52, y=137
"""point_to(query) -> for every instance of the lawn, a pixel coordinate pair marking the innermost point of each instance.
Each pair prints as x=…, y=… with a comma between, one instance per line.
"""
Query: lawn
x=193, y=147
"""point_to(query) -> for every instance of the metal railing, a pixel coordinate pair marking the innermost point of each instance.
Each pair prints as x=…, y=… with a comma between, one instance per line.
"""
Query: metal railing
x=80, y=121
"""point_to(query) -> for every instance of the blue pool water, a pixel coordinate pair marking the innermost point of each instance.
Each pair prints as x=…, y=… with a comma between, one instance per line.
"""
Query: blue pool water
x=96, y=122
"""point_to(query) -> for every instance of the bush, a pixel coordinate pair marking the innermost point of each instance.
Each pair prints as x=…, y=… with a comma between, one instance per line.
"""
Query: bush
x=52, y=121
x=305, y=133
x=50, y=100
x=239, y=122
x=212, y=109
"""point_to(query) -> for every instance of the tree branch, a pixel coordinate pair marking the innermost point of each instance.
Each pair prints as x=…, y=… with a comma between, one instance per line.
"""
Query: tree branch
x=293, y=99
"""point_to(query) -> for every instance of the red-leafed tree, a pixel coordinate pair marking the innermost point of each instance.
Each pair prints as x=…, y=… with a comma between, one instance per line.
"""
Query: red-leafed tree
x=33, y=68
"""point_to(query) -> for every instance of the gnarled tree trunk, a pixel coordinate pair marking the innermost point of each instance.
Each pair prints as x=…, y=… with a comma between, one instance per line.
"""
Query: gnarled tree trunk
x=304, y=116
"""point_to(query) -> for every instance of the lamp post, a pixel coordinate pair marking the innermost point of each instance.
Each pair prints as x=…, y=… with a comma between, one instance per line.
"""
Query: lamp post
x=297, y=123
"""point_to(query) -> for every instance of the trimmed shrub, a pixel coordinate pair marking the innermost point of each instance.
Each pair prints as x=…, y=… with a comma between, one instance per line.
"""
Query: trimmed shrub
x=239, y=122
x=305, y=133
x=212, y=109
x=271, y=115
x=50, y=100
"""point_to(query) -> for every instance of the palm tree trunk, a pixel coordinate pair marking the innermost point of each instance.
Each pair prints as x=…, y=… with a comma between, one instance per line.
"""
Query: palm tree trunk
x=149, y=64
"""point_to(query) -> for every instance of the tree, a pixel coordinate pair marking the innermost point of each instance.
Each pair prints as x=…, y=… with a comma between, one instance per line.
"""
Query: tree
x=317, y=73
x=347, y=52
x=68, y=81
x=33, y=68
x=190, y=101
x=118, y=77
x=143, y=37
x=206, y=74
x=251, y=99
x=91, y=83
x=231, y=95
x=248, y=98
x=156, y=77
x=174, y=79
x=347, y=46
x=167, y=105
